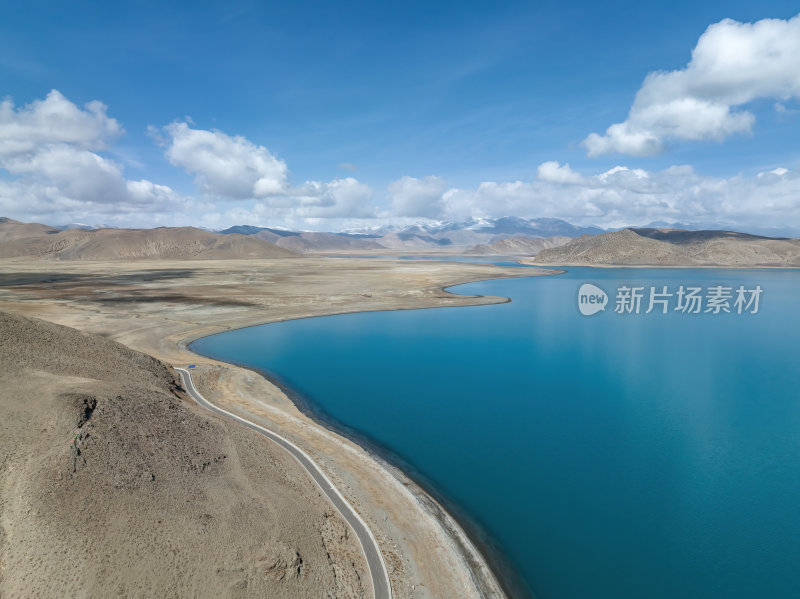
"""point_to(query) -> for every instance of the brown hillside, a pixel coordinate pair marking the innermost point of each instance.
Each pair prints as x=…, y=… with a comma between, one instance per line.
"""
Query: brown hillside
x=114, y=484
x=13, y=229
x=21, y=240
x=675, y=247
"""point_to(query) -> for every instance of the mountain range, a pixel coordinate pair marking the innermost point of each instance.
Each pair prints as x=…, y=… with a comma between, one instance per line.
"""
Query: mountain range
x=78, y=241
x=554, y=241
x=34, y=240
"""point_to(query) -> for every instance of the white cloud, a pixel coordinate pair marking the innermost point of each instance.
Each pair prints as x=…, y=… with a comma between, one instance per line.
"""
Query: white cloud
x=733, y=64
x=48, y=146
x=54, y=120
x=784, y=110
x=340, y=198
x=410, y=196
x=41, y=201
x=779, y=172
x=78, y=174
x=225, y=166
x=556, y=173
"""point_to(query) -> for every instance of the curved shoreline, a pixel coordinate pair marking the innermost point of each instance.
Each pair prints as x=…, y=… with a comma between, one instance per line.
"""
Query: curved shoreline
x=488, y=565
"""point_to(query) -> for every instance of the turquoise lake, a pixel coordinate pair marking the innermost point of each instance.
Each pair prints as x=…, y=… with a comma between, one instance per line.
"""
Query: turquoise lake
x=608, y=456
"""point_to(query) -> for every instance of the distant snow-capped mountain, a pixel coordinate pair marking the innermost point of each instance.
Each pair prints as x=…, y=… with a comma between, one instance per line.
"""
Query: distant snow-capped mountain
x=506, y=225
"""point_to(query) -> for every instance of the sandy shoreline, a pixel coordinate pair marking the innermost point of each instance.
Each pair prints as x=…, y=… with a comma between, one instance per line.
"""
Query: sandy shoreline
x=427, y=552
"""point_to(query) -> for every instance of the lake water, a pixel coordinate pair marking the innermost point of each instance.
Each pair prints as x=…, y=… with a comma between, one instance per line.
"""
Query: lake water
x=610, y=456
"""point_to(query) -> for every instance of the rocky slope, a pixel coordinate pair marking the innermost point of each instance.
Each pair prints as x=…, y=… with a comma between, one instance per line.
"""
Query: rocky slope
x=114, y=484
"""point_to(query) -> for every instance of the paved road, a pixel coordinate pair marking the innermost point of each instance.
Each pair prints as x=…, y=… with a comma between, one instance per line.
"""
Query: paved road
x=377, y=569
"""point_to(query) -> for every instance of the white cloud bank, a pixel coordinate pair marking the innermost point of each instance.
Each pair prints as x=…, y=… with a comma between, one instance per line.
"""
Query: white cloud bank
x=733, y=64
x=53, y=171
x=623, y=196
x=52, y=153
x=50, y=146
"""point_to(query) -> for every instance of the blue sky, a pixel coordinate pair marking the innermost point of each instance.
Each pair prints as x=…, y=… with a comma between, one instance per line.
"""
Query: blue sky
x=374, y=112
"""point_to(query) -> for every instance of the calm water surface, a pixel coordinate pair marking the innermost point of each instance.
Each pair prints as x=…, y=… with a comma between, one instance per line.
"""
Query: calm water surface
x=611, y=456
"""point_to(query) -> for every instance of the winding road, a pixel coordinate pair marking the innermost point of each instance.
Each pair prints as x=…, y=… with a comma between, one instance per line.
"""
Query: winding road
x=382, y=588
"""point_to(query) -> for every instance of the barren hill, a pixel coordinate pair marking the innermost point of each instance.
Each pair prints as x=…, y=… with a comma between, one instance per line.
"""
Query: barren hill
x=675, y=247
x=113, y=483
x=32, y=240
x=519, y=246
x=13, y=229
